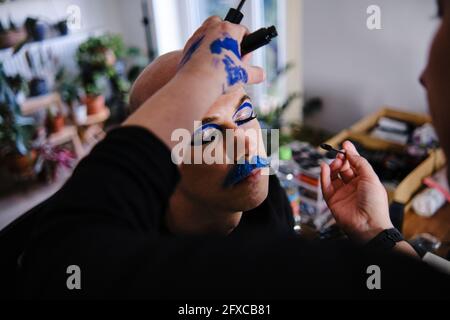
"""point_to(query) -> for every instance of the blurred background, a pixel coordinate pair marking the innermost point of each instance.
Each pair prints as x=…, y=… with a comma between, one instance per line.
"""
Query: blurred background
x=66, y=68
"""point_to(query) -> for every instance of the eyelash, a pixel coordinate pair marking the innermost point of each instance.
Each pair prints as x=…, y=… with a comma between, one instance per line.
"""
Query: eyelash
x=200, y=131
x=217, y=127
x=251, y=118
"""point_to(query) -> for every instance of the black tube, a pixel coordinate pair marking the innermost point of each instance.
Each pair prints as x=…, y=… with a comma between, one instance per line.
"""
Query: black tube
x=258, y=39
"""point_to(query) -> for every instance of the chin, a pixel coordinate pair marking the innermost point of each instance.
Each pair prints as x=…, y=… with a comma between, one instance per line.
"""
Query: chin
x=252, y=195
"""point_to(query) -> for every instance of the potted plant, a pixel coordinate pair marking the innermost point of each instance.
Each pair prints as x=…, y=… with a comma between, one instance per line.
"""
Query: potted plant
x=16, y=131
x=62, y=27
x=54, y=121
x=36, y=29
x=101, y=52
x=51, y=159
x=94, y=100
x=101, y=71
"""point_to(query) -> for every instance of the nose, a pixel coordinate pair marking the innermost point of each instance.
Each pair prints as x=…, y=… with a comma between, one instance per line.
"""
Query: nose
x=244, y=144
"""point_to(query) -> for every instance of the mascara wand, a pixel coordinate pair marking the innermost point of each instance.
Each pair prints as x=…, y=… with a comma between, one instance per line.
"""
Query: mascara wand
x=327, y=147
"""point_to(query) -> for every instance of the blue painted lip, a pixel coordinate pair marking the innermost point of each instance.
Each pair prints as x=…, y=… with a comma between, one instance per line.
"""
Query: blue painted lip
x=242, y=171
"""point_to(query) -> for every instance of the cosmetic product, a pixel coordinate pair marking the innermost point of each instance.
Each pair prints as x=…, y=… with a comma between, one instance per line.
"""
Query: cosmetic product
x=327, y=147
x=258, y=39
x=235, y=15
x=254, y=40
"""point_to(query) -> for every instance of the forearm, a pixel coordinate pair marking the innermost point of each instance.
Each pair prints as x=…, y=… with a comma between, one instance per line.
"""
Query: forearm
x=185, y=99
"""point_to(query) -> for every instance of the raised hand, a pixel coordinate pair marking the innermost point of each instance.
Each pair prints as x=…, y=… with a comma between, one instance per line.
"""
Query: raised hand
x=355, y=195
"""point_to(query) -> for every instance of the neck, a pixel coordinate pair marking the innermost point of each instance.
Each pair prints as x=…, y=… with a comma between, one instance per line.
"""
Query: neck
x=190, y=217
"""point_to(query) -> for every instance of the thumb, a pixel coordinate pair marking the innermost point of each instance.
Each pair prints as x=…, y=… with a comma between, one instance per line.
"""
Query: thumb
x=255, y=75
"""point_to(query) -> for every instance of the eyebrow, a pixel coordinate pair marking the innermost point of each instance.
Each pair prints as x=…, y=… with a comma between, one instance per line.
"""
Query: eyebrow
x=212, y=119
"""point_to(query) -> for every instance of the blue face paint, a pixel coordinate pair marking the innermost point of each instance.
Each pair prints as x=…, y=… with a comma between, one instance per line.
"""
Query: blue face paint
x=242, y=171
x=244, y=114
x=227, y=44
x=244, y=105
x=209, y=129
x=191, y=51
x=235, y=73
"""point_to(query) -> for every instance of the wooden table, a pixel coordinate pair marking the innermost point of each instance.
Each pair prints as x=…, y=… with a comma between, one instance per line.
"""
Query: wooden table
x=438, y=226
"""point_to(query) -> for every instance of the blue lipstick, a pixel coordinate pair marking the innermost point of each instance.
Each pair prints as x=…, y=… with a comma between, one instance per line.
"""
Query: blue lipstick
x=242, y=171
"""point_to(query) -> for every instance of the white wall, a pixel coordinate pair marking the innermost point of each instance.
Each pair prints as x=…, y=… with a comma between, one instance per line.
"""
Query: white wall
x=355, y=70
x=117, y=16
x=95, y=14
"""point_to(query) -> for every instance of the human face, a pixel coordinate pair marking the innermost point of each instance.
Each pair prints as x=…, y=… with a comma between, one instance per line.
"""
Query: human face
x=207, y=183
x=436, y=79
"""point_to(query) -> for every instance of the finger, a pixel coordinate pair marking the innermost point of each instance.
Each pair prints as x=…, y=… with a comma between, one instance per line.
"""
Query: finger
x=336, y=165
x=246, y=59
x=195, y=39
x=255, y=75
x=325, y=181
x=335, y=168
x=236, y=31
x=200, y=32
x=350, y=148
x=347, y=173
x=337, y=183
x=361, y=166
x=211, y=20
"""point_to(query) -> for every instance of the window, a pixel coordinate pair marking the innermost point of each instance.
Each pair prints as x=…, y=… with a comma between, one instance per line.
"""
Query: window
x=183, y=17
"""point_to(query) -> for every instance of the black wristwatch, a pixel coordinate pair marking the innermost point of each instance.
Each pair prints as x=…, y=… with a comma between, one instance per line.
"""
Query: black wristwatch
x=385, y=240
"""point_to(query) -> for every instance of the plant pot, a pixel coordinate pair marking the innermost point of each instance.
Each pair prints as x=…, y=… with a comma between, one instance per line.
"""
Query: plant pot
x=39, y=31
x=62, y=28
x=55, y=124
x=80, y=114
x=38, y=87
x=94, y=104
x=12, y=37
x=19, y=164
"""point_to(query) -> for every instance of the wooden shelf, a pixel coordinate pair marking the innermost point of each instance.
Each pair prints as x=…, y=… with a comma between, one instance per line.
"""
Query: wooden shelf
x=65, y=135
x=35, y=104
x=96, y=118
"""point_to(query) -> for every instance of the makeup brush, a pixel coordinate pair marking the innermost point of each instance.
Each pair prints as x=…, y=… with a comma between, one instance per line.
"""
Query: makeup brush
x=327, y=147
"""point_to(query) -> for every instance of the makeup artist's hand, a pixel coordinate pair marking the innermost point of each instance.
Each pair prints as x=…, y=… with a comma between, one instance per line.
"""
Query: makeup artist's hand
x=213, y=53
x=355, y=196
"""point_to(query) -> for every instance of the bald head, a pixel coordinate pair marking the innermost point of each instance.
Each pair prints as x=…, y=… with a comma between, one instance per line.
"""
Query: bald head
x=153, y=78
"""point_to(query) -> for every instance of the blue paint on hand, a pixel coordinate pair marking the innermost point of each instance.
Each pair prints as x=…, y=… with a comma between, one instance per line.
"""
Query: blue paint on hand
x=242, y=171
x=227, y=44
x=191, y=51
x=235, y=73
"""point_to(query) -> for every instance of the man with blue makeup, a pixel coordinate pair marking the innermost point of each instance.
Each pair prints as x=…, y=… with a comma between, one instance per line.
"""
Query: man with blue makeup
x=220, y=198
x=119, y=217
